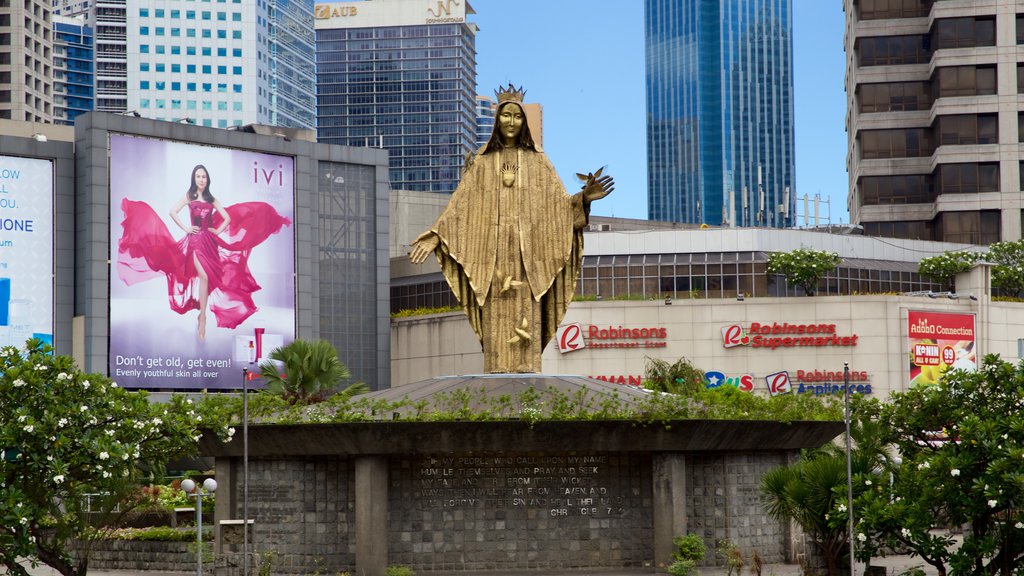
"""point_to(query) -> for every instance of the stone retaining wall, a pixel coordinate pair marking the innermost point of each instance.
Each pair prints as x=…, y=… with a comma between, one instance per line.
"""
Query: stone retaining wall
x=471, y=497
x=520, y=511
x=138, y=555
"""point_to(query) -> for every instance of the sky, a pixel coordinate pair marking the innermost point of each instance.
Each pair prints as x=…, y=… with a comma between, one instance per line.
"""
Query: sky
x=583, y=61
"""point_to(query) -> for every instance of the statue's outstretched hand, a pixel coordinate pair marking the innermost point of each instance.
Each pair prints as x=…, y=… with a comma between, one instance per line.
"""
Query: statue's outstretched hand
x=596, y=186
x=422, y=248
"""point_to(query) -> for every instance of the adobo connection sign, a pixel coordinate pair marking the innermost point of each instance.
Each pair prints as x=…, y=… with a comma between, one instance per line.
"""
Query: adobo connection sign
x=785, y=335
x=939, y=341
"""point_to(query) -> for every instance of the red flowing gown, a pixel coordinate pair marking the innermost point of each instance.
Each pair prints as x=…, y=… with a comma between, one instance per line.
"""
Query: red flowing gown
x=147, y=250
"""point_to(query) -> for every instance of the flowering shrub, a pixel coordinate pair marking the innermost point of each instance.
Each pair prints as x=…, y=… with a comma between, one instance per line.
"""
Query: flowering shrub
x=65, y=434
x=1008, y=273
x=962, y=444
x=803, y=267
x=945, y=267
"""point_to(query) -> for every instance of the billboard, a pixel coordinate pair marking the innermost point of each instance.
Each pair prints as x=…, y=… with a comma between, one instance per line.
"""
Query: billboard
x=26, y=250
x=361, y=14
x=939, y=341
x=202, y=257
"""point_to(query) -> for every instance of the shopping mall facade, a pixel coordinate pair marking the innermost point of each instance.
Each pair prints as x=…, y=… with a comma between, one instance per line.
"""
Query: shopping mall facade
x=705, y=295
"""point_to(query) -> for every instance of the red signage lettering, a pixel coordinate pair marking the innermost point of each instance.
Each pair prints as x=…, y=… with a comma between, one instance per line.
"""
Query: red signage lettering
x=784, y=335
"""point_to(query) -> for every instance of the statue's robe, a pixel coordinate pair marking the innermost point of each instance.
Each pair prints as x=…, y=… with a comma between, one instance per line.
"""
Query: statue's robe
x=512, y=254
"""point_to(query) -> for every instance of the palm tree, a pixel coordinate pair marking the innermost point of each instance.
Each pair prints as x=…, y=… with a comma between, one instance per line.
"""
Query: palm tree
x=811, y=490
x=312, y=372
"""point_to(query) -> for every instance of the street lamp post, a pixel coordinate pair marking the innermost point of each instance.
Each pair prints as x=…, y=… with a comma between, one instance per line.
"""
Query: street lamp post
x=849, y=463
x=207, y=489
x=245, y=460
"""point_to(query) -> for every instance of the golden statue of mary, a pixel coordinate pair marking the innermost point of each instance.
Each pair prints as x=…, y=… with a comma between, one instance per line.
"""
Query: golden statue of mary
x=510, y=241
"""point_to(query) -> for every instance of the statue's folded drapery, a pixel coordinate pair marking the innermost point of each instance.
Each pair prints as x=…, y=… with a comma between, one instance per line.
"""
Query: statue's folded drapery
x=511, y=244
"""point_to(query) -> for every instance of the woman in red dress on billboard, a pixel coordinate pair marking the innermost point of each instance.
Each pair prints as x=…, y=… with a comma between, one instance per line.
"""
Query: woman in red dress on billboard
x=209, y=262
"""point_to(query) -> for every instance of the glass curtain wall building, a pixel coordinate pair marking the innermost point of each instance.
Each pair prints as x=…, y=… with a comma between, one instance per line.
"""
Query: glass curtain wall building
x=720, y=111
x=73, y=78
x=400, y=74
x=485, y=109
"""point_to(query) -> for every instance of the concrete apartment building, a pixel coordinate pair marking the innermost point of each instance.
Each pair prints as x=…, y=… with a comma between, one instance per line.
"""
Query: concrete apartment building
x=26, y=61
x=934, y=118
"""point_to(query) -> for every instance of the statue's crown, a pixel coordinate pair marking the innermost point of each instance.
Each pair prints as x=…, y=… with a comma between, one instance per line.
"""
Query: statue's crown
x=510, y=94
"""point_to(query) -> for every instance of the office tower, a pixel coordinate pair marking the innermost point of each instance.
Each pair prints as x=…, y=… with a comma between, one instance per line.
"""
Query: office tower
x=934, y=118
x=72, y=68
x=221, y=64
x=400, y=74
x=71, y=7
x=107, y=18
x=485, y=109
x=720, y=111
x=26, y=61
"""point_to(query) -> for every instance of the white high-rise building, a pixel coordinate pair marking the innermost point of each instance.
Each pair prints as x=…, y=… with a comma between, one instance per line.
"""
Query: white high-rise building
x=221, y=64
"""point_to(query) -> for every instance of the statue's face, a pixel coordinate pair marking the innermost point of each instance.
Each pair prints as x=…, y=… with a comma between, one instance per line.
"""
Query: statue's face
x=510, y=121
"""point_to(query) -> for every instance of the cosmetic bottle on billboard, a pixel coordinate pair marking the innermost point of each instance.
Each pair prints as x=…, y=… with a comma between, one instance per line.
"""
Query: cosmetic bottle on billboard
x=20, y=318
x=5, y=302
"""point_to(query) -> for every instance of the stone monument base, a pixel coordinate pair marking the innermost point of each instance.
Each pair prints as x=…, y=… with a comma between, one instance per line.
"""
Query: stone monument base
x=485, y=496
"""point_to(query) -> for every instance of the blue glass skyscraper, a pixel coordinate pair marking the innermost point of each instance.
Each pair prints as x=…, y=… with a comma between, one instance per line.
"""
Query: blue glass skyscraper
x=720, y=111
x=72, y=68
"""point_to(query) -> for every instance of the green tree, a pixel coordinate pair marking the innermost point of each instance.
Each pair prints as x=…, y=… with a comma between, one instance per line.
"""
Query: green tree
x=813, y=491
x=312, y=372
x=944, y=267
x=1008, y=272
x=679, y=377
x=962, y=444
x=803, y=267
x=65, y=434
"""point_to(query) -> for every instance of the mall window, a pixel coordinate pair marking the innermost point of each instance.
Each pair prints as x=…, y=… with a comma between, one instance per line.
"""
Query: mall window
x=1020, y=78
x=895, y=96
x=894, y=50
x=966, y=81
x=1020, y=28
x=900, y=143
x=711, y=275
x=969, y=178
x=963, y=129
x=967, y=32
